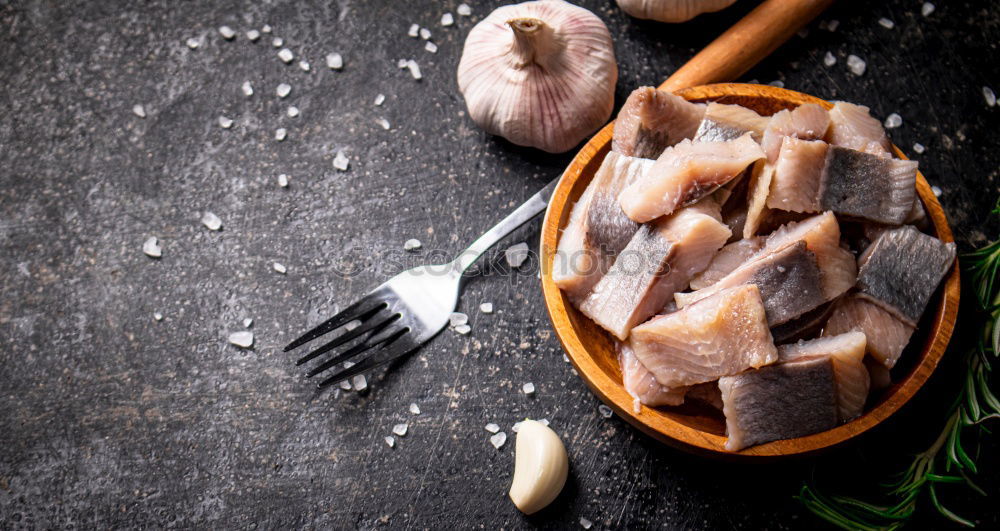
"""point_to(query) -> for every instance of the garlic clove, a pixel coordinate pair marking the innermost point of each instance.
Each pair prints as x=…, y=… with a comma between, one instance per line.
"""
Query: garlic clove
x=671, y=10
x=540, y=74
x=540, y=467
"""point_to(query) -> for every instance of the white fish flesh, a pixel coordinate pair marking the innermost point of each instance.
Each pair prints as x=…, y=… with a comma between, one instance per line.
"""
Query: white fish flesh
x=851, y=126
x=807, y=122
x=642, y=385
x=726, y=260
x=797, y=175
x=760, y=186
x=652, y=120
x=847, y=351
x=887, y=335
x=728, y=122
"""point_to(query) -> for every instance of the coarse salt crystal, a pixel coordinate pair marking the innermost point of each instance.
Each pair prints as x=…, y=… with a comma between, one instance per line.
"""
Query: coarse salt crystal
x=565, y=357
x=253, y=35
x=414, y=30
x=927, y=9
x=277, y=42
x=516, y=254
x=341, y=162
x=886, y=23
x=248, y=322
x=383, y=123
x=225, y=122
x=856, y=65
x=457, y=318
x=516, y=427
x=936, y=190
x=463, y=329
x=464, y=10
x=403, y=63
x=893, y=121
x=247, y=88
x=829, y=59
x=585, y=523
x=211, y=221
x=158, y=316
x=242, y=339
x=281, y=134
x=227, y=32
x=832, y=25
x=605, y=411
x=280, y=268
x=360, y=382
x=414, y=69
x=918, y=147
x=777, y=83
x=139, y=111
x=447, y=19
x=544, y=422
x=411, y=244
x=345, y=385
x=334, y=61
x=286, y=55
x=486, y=307
x=293, y=111
x=414, y=408
x=803, y=33
x=492, y=427
x=283, y=90
x=498, y=440
x=266, y=28
x=400, y=429
x=389, y=440
x=380, y=99
x=283, y=180
x=425, y=33
x=193, y=43
x=152, y=247
x=528, y=388
x=430, y=47
x=304, y=65
x=989, y=96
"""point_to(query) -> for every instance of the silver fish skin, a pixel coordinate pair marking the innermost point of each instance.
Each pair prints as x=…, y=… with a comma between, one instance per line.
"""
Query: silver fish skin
x=867, y=186
x=652, y=120
x=847, y=351
x=809, y=324
x=728, y=122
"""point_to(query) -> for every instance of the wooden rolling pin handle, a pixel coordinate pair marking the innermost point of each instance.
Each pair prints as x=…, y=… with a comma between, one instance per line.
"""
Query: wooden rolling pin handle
x=745, y=44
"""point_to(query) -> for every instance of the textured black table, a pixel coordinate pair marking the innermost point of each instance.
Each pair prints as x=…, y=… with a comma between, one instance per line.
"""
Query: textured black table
x=111, y=418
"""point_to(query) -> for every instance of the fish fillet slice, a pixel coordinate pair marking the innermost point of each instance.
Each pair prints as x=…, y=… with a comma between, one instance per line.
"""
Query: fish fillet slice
x=721, y=335
x=659, y=260
x=760, y=186
x=652, y=120
x=642, y=386
x=807, y=325
x=779, y=402
x=684, y=174
x=821, y=233
x=851, y=126
x=726, y=260
x=707, y=392
x=728, y=122
x=807, y=122
x=902, y=269
x=597, y=229
x=887, y=335
x=797, y=175
x=867, y=186
x=847, y=351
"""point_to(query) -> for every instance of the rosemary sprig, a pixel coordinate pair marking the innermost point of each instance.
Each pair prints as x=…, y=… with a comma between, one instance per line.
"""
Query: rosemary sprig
x=946, y=461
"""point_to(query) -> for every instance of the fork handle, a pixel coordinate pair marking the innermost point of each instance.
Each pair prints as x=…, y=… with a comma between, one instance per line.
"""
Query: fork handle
x=523, y=214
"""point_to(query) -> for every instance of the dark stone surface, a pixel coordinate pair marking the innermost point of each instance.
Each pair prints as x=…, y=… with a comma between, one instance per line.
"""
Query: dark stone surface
x=113, y=419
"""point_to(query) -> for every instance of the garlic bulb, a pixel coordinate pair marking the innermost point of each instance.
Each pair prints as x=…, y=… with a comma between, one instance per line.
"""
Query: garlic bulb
x=540, y=467
x=671, y=10
x=539, y=74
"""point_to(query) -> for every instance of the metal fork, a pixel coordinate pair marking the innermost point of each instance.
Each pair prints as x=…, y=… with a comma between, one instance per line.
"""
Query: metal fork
x=407, y=310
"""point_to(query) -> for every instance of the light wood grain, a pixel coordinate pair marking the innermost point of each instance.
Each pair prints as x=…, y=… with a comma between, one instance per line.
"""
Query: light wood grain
x=700, y=429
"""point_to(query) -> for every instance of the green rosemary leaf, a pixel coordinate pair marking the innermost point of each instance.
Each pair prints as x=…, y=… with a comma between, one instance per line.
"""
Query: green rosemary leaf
x=944, y=479
x=945, y=511
x=971, y=484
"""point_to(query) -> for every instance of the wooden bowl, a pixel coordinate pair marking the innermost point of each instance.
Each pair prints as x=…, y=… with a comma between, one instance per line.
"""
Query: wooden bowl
x=698, y=428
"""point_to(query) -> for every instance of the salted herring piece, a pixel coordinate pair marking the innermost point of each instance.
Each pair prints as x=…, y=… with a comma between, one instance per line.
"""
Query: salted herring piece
x=847, y=352
x=887, y=335
x=726, y=260
x=728, y=122
x=852, y=126
x=652, y=120
x=808, y=122
x=642, y=385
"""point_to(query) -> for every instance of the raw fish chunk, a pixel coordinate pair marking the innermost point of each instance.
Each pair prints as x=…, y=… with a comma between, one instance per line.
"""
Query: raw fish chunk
x=847, y=351
x=902, y=269
x=789, y=280
x=721, y=335
x=659, y=260
x=707, y=392
x=641, y=384
x=878, y=374
x=684, y=174
x=868, y=186
x=726, y=260
x=779, y=402
x=807, y=122
x=809, y=324
x=887, y=335
x=852, y=127
x=728, y=122
x=652, y=120
x=821, y=233
x=735, y=218
x=760, y=186
x=797, y=175
x=597, y=229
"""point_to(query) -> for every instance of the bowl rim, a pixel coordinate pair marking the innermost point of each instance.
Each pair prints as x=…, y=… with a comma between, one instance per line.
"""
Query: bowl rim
x=674, y=433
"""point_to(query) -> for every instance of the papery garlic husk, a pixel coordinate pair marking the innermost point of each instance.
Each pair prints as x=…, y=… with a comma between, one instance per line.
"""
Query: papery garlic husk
x=671, y=10
x=540, y=467
x=540, y=74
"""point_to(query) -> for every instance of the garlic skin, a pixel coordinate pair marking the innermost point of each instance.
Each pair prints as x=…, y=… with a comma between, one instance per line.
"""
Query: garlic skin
x=540, y=74
x=540, y=467
x=671, y=10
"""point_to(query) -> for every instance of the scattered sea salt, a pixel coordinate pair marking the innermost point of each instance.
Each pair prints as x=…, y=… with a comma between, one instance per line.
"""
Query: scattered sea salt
x=345, y=385
x=280, y=134
x=584, y=523
x=253, y=35
x=430, y=47
x=389, y=440
x=856, y=65
x=225, y=122
x=402, y=63
x=893, y=121
x=286, y=55
x=414, y=408
x=936, y=190
x=380, y=99
x=139, y=111
x=886, y=23
x=927, y=9
x=918, y=148
x=989, y=96
x=414, y=30
x=360, y=382
x=803, y=33
x=383, y=123
x=516, y=427
x=400, y=429
x=334, y=61
x=266, y=28
x=414, y=69
x=280, y=268
x=247, y=88
x=304, y=65
x=516, y=254
x=411, y=244
x=544, y=422
x=158, y=316
x=463, y=329
x=283, y=180
x=278, y=42
x=283, y=90
x=498, y=440
x=486, y=307
x=211, y=221
x=777, y=83
x=565, y=357
x=193, y=43
x=528, y=388
x=341, y=162
x=832, y=25
x=605, y=411
x=457, y=318
x=227, y=32
x=492, y=427
x=447, y=19
x=425, y=33
x=829, y=59
x=248, y=322
x=152, y=247
x=241, y=339
x=464, y=10
x=293, y=111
